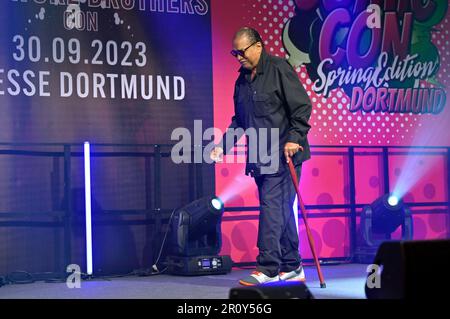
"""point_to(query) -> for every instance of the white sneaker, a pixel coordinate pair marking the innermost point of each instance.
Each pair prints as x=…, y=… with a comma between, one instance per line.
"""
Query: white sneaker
x=295, y=275
x=257, y=278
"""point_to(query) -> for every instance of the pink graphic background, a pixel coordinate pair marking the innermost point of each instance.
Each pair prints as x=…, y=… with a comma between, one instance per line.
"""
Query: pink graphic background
x=324, y=177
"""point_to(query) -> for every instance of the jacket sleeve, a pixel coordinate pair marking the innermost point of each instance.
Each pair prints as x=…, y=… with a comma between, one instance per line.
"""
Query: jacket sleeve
x=233, y=131
x=297, y=103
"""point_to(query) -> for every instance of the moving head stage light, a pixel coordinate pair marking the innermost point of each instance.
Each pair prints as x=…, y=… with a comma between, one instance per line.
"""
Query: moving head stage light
x=378, y=221
x=195, y=239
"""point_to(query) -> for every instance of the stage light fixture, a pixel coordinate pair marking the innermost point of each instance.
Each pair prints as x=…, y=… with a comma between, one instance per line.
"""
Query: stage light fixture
x=217, y=203
x=196, y=239
x=393, y=200
x=378, y=221
x=385, y=215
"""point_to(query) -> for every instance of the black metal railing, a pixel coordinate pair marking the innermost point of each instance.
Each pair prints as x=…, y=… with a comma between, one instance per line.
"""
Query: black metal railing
x=385, y=152
x=154, y=154
x=63, y=214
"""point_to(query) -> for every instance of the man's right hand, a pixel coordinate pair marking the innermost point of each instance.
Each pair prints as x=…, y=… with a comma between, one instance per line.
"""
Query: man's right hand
x=217, y=154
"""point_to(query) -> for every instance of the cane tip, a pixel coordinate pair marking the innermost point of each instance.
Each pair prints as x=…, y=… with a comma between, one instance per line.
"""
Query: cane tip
x=323, y=285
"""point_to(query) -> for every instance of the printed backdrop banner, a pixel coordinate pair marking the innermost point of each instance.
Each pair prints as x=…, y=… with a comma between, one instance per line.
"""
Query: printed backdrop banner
x=377, y=72
x=104, y=71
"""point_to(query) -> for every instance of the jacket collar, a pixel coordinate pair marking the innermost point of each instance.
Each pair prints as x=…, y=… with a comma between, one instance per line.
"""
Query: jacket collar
x=261, y=62
x=260, y=66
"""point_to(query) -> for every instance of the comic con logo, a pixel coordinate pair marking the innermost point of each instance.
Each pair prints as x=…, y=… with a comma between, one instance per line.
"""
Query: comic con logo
x=378, y=52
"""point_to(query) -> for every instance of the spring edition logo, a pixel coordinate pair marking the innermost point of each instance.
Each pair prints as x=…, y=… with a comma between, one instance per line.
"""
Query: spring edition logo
x=379, y=52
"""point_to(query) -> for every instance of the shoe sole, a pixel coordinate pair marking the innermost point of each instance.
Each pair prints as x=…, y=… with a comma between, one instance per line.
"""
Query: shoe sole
x=245, y=283
x=302, y=279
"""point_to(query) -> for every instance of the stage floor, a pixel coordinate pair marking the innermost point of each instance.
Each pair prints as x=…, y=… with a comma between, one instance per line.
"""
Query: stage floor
x=343, y=281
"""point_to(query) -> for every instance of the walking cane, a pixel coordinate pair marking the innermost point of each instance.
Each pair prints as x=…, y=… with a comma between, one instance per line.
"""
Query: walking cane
x=305, y=220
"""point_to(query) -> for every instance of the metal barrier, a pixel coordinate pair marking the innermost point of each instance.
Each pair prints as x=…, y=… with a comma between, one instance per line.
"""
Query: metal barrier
x=352, y=151
x=153, y=211
x=157, y=214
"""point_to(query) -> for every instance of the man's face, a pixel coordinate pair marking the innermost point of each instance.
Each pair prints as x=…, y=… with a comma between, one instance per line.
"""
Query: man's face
x=252, y=52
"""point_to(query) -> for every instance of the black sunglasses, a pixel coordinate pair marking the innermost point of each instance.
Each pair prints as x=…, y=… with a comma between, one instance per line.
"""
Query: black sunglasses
x=235, y=53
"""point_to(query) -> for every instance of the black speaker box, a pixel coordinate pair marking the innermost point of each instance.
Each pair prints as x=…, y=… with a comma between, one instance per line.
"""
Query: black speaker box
x=412, y=270
x=277, y=290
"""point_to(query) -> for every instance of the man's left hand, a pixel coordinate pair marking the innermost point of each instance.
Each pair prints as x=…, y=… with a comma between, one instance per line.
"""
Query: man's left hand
x=290, y=149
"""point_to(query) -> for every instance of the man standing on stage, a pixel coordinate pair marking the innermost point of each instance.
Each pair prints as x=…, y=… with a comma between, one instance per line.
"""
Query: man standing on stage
x=268, y=95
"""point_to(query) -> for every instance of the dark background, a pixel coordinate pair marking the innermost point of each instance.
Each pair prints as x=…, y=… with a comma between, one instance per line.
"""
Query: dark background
x=126, y=206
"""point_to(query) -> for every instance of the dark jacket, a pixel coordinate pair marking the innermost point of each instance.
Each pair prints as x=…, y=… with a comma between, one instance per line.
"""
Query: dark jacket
x=274, y=99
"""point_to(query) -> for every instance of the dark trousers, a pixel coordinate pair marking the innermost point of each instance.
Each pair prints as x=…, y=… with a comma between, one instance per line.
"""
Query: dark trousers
x=277, y=233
